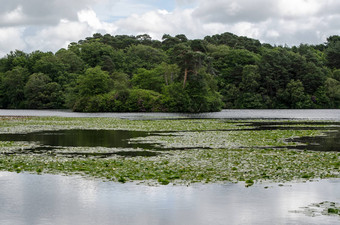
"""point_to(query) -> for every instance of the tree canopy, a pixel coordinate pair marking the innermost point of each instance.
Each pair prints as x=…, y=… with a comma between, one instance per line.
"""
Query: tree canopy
x=136, y=73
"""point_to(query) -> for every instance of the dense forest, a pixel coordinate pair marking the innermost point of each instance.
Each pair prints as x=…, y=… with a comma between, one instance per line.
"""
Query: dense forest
x=135, y=73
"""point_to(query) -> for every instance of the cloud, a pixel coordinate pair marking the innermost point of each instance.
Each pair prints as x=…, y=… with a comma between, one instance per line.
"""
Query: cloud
x=49, y=25
x=114, y=10
x=11, y=39
x=230, y=11
x=276, y=22
x=39, y=12
x=89, y=17
x=157, y=23
x=56, y=37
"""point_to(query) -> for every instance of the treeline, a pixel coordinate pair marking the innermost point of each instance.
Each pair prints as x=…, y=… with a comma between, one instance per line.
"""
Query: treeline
x=135, y=73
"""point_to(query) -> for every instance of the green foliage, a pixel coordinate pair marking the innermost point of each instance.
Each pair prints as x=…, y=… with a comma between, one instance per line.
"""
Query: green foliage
x=143, y=56
x=250, y=78
x=175, y=98
x=95, y=81
x=248, y=100
x=333, y=92
x=12, y=88
x=257, y=161
x=121, y=81
x=141, y=100
x=234, y=41
x=72, y=62
x=336, y=75
x=222, y=70
x=148, y=79
x=51, y=66
x=294, y=96
x=198, y=96
x=230, y=63
x=333, y=51
x=42, y=93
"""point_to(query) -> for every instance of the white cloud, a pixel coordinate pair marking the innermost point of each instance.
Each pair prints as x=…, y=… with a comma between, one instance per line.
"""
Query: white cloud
x=55, y=37
x=231, y=11
x=10, y=40
x=157, y=23
x=13, y=17
x=114, y=10
x=52, y=38
x=89, y=17
x=50, y=25
x=40, y=12
x=299, y=8
x=278, y=22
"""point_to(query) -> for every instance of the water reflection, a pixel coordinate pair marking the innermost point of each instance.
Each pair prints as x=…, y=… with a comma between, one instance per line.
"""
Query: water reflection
x=329, y=141
x=79, y=138
x=50, y=141
x=54, y=199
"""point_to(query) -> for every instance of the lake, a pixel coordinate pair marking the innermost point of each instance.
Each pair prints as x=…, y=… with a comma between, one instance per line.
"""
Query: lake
x=55, y=199
x=308, y=114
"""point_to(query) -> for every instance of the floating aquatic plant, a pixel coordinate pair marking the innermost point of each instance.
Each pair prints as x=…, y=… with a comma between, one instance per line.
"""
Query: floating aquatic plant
x=204, y=151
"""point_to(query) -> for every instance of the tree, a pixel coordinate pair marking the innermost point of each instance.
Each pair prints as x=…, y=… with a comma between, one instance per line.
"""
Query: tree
x=12, y=87
x=121, y=81
x=143, y=56
x=95, y=81
x=248, y=100
x=93, y=52
x=73, y=63
x=311, y=54
x=14, y=59
x=234, y=41
x=336, y=75
x=140, y=100
x=169, y=42
x=144, y=39
x=230, y=62
x=250, y=78
x=148, y=79
x=170, y=72
x=333, y=51
x=295, y=97
x=104, y=71
x=311, y=76
x=42, y=93
x=51, y=66
x=275, y=67
x=188, y=60
x=249, y=97
x=333, y=91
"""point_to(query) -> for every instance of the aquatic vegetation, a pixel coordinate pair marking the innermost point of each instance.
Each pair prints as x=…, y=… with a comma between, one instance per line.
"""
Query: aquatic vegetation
x=187, y=151
x=325, y=208
x=226, y=139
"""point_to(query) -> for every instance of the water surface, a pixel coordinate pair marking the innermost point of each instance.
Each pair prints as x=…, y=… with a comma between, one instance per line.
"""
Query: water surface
x=53, y=199
x=308, y=114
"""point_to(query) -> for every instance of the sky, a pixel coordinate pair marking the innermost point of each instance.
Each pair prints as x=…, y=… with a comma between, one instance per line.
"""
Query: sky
x=49, y=25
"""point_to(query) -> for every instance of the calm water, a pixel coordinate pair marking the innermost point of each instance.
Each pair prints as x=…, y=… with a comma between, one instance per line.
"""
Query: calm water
x=50, y=141
x=53, y=199
x=310, y=114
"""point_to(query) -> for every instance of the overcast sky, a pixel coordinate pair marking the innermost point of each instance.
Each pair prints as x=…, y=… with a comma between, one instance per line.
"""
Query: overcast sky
x=49, y=25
